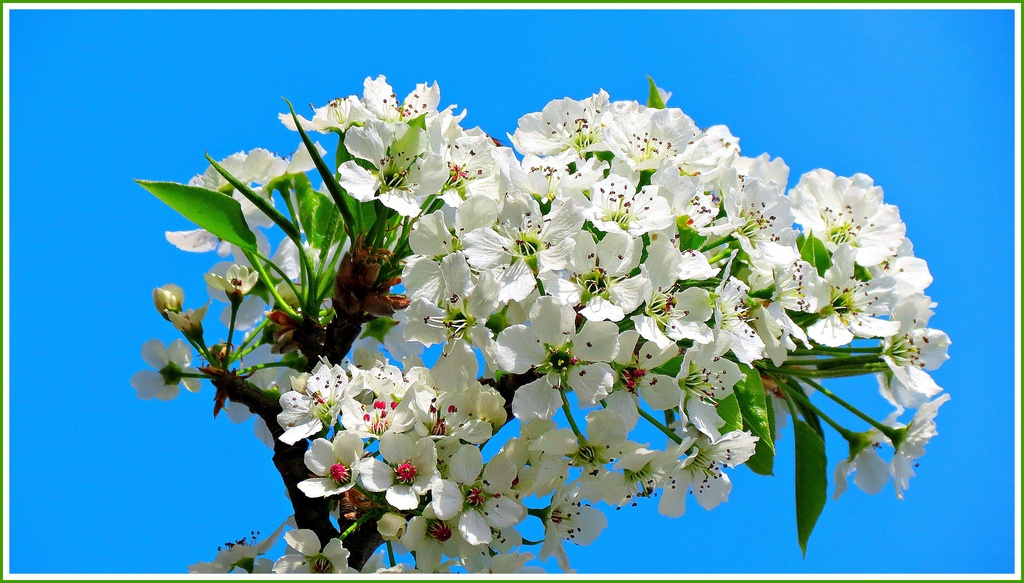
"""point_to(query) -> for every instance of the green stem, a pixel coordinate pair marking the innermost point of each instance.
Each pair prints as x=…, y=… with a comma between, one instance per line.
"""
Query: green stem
x=568, y=414
x=201, y=348
x=193, y=375
x=720, y=256
x=284, y=276
x=709, y=283
x=846, y=433
x=391, y=554
x=671, y=434
x=235, y=302
x=712, y=244
x=541, y=513
x=826, y=373
x=851, y=361
x=835, y=362
x=885, y=429
x=256, y=367
x=356, y=525
x=273, y=290
x=840, y=350
x=252, y=336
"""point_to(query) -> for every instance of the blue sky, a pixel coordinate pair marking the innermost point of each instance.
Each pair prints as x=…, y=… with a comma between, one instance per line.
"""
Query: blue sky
x=922, y=101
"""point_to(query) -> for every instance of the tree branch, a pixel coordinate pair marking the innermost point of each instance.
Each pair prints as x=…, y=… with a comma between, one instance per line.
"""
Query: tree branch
x=333, y=342
x=311, y=513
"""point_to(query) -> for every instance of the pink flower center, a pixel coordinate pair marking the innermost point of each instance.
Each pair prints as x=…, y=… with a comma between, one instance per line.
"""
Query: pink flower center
x=406, y=473
x=475, y=496
x=439, y=530
x=340, y=474
x=440, y=428
x=631, y=376
x=321, y=564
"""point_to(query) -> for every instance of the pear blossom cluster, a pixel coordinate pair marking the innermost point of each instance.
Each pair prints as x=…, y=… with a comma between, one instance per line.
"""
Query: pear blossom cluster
x=627, y=272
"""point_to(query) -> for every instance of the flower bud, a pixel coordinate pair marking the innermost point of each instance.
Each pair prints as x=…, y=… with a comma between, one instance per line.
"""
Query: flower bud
x=391, y=526
x=168, y=299
x=189, y=323
x=299, y=382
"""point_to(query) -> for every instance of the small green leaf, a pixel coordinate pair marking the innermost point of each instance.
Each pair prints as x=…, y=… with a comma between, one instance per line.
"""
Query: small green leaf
x=247, y=564
x=811, y=480
x=729, y=410
x=763, y=294
x=378, y=328
x=861, y=272
x=498, y=321
x=216, y=212
x=671, y=367
x=754, y=411
x=689, y=239
x=654, y=96
x=813, y=251
x=420, y=121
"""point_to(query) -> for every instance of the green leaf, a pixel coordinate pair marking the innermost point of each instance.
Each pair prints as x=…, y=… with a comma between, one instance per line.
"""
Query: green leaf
x=216, y=212
x=341, y=155
x=689, y=239
x=378, y=328
x=763, y=460
x=861, y=272
x=813, y=251
x=811, y=480
x=316, y=213
x=420, y=121
x=247, y=564
x=654, y=96
x=754, y=411
x=670, y=368
x=259, y=202
x=729, y=410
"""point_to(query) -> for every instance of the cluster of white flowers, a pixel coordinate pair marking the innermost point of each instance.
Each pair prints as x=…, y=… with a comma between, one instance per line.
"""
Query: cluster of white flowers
x=629, y=267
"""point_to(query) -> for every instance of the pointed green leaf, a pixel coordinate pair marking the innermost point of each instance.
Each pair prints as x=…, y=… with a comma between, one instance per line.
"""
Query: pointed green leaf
x=754, y=411
x=259, y=202
x=729, y=410
x=813, y=251
x=216, y=212
x=763, y=460
x=316, y=212
x=861, y=272
x=688, y=238
x=670, y=368
x=378, y=328
x=811, y=480
x=420, y=121
x=654, y=96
